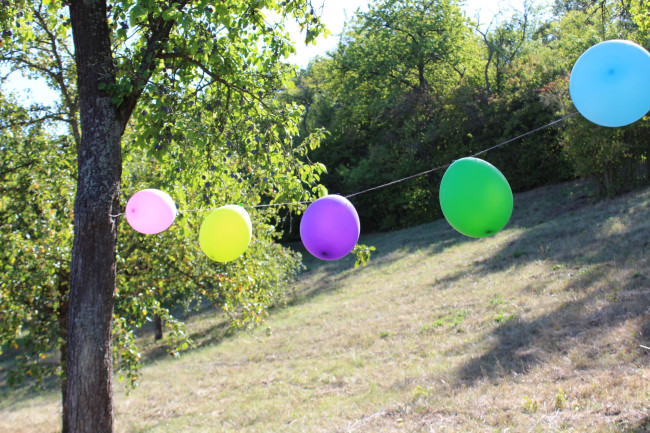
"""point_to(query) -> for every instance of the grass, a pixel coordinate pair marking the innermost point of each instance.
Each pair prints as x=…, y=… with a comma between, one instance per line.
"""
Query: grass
x=539, y=328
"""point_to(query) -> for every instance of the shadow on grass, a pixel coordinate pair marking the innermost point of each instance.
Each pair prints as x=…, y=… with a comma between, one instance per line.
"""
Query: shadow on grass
x=584, y=245
x=28, y=388
x=520, y=345
x=561, y=224
x=642, y=426
x=214, y=334
x=531, y=209
x=320, y=276
x=217, y=332
x=210, y=336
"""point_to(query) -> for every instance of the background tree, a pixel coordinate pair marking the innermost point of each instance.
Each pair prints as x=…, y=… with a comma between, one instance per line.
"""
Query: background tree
x=504, y=44
x=378, y=92
x=615, y=158
x=36, y=178
x=387, y=122
x=413, y=86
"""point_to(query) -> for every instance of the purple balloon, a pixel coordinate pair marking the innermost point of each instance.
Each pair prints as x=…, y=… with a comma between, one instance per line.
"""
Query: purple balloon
x=330, y=227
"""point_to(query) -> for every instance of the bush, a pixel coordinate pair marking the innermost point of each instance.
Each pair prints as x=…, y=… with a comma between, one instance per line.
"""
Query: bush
x=615, y=158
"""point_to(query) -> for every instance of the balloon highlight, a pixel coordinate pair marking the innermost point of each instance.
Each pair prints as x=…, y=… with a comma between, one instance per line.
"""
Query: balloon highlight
x=475, y=197
x=225, y=233
x=150, y=211
x=610, y=85
x=330, y=227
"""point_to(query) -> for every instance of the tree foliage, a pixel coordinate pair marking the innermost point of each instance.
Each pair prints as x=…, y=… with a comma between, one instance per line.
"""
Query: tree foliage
x=377, y=95
x=616, y=158
x=36, y=177
x=414, y=85
x=186, y=91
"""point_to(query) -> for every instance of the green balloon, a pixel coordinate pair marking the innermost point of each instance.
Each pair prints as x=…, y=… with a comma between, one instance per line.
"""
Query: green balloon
x=225, y=233
x=475, y=197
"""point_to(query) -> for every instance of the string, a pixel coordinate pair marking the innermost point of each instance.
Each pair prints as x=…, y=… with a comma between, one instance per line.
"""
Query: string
x=278, y=204
x=253, y=206
x=413, y=176
x=527, y=133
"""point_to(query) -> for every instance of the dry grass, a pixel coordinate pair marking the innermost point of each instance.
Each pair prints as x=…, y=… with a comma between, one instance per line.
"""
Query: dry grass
x=537, y=329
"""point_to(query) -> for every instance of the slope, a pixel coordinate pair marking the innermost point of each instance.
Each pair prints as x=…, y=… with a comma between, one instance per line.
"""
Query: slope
x=542, y=327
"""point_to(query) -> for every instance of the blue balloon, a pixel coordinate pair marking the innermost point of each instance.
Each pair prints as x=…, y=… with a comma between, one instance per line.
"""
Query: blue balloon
x=610, y=83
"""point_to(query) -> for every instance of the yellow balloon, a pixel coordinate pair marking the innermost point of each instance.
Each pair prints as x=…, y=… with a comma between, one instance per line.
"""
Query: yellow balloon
x=225, y=233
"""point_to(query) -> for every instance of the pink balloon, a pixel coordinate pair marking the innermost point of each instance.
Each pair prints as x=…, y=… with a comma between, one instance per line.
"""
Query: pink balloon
x=150, y=211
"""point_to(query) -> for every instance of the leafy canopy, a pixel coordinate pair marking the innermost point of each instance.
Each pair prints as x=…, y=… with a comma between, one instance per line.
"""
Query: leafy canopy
x=197, y=82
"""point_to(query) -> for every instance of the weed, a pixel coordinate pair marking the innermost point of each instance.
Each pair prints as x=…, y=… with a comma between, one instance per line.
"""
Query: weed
x=544, y=250
x=560, y=399
x=517, y=254
x=362, y=253
x=384, y=334
x=420, y=392
x=452, y=319
x=613, y=296
x=496, y=300
x=583, y=271
x=502, y=317
x=530, y=405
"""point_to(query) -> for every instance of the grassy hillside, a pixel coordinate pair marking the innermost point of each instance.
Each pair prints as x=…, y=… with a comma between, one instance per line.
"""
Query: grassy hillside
x=543, y=327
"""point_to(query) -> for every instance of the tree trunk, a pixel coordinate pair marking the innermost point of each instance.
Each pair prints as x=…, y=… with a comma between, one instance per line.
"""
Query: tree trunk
x=158, y=327
x=422, y=81
x=89, y=392
x=487, y=69
x=65, y=426
x=64, y=291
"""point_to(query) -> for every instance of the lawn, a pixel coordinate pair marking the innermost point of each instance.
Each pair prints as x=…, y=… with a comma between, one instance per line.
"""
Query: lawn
x=543, y=327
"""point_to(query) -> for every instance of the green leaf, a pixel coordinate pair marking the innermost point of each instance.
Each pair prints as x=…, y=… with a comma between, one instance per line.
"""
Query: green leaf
x=138, y=14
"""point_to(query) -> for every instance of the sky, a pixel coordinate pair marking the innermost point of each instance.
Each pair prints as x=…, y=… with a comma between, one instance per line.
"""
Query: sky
x=334, y=14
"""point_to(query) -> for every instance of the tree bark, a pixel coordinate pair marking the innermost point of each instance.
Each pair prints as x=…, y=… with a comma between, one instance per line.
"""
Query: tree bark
x=158, y=327
x=64, y=291
x=65, y=427
x=89, y=393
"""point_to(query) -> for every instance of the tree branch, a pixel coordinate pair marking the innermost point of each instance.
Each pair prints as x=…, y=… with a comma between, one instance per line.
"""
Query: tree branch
x=212, y=75
x=69, y=101
x=7, y=171
x=51, y=116
x=160, y=31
